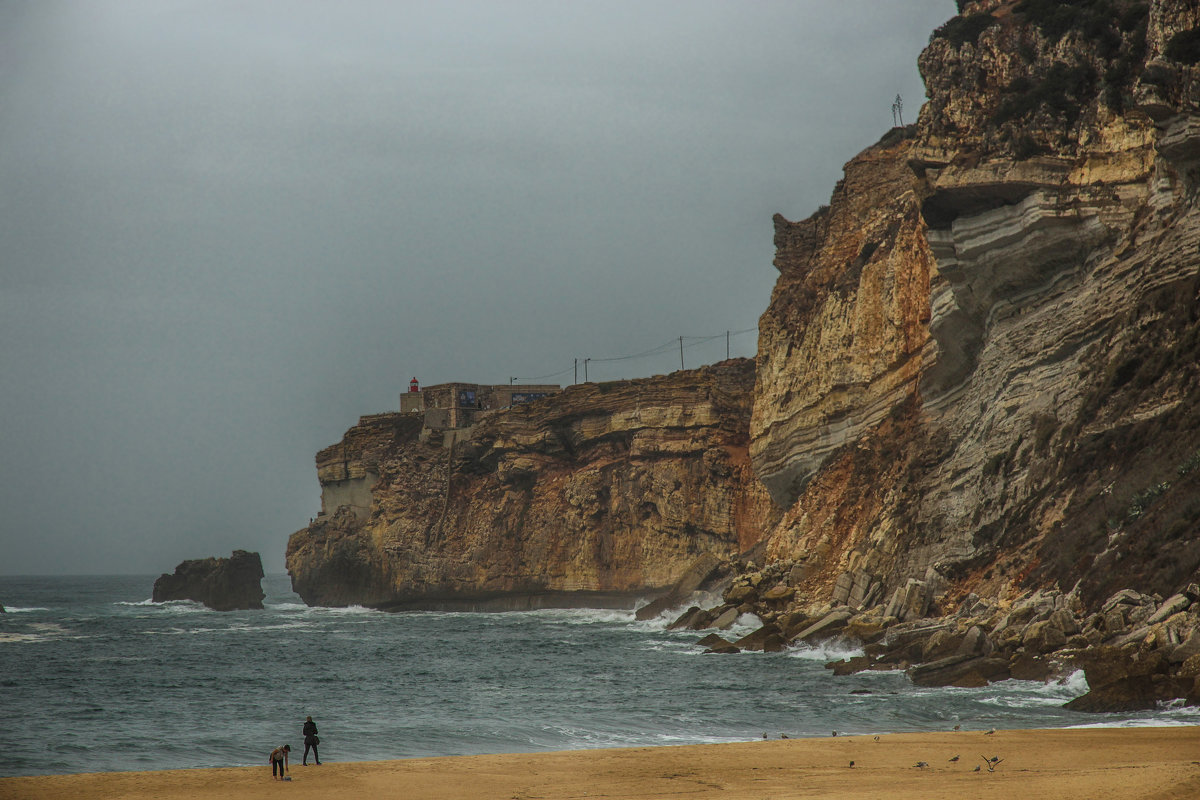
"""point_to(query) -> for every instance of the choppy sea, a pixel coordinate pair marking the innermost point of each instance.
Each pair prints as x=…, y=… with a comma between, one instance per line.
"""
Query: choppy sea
x=96, y=677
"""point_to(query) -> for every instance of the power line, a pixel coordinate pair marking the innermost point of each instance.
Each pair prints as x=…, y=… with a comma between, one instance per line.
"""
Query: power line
x=662, y=348
x=683, y=342
x=551, y=375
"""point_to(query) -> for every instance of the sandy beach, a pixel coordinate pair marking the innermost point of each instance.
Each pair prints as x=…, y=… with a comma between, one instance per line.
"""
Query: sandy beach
x=1126, y=763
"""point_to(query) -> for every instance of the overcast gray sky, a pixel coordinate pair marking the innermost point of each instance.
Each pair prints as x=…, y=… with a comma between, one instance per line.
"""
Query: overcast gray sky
x=228, y=229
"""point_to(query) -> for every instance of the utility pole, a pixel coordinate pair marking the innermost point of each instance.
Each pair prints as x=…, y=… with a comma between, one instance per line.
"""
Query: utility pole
x=681, y=352
x=726, y=345
x=510, y=381
x=585, y=380
x=576, y=372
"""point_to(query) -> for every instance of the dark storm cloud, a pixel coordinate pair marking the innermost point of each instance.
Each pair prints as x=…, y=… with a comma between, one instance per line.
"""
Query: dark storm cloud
x=228, y=229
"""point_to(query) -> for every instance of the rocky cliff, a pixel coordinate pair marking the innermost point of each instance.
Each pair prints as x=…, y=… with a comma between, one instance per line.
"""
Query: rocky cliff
x=980, y=368
x=590, y=497
x=977, y=391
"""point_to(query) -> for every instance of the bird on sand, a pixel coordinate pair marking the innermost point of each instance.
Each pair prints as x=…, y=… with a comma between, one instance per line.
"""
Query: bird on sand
x=851, y=765
x=989, y=732
x=783, y=736
x=833, y=734
x=976, y=768
x=877, y=738
x=958, y=727
x=921, y=765
x=954, y=759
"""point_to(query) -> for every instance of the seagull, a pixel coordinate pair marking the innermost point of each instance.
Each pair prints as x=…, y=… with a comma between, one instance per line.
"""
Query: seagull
x=833, y=734
x=783, y=736
x=976, y=768
x=877, y=738
x=954, y=759
x=958, y=727
x=921, y=765
x=989, y=732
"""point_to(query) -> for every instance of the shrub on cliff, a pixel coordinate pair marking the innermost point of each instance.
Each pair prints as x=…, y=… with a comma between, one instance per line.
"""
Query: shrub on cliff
x=1062, y=90
x=960, y=30
x=1184, y=47
x=1056, y=18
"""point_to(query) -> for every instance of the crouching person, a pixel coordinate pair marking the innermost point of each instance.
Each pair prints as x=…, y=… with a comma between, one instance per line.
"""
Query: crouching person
x=279, y=760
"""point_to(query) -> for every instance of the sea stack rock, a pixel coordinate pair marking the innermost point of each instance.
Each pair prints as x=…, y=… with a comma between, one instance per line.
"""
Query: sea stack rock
x=222, y=584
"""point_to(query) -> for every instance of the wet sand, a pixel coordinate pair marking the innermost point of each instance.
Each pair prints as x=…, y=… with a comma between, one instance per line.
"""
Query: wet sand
x=1108, y=763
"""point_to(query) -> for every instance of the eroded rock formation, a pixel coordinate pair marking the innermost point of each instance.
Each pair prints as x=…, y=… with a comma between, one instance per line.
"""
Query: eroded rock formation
x=975, y=416
x=222, y=584
x=590, y=497
x=979, y=369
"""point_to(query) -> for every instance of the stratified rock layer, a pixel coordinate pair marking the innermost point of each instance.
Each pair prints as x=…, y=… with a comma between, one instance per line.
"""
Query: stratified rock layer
x=589, y=497
x=223, y=584
x=980, y=368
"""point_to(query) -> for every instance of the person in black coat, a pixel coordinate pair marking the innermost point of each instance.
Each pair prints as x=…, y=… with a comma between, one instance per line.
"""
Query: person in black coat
x=310, y=742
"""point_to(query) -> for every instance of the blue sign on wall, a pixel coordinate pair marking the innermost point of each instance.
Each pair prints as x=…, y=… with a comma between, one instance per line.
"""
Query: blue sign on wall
x=525, y=397
x=466, y=398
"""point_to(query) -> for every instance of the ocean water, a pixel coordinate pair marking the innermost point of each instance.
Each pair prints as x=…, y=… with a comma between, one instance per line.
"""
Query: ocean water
x=95, y=677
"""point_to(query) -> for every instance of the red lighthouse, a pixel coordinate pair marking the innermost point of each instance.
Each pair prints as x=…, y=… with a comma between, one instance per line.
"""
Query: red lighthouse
x=413, y=386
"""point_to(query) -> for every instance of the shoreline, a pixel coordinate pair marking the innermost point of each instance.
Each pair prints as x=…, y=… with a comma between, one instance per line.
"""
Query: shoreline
x=1154, y=763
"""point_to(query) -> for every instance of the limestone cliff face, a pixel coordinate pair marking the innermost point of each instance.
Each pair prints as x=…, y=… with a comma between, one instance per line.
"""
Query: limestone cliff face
x=586, y=497
x=979, y=368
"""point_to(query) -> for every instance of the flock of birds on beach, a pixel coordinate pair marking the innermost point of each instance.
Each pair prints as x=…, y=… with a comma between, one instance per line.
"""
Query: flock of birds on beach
x=990, y=763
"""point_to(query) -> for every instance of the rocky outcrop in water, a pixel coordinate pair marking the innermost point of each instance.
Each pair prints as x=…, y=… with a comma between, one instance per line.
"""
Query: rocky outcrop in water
x=593, y=496
x=1136, y=650
x=222, y=584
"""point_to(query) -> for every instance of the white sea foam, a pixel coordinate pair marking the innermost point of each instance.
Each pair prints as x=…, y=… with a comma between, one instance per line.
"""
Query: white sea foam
x=665, y=618
x=344, y=610
x=20, y=610
x=284, y=626
x=185, y=606
x=37, y=632
x=1035, y=694
x=1074, y=684
x=583, y=616
x=744, y=624
x=12, y=638
x=678, y=647
x=825, y=651
x=1159, y=720
x=287, y=606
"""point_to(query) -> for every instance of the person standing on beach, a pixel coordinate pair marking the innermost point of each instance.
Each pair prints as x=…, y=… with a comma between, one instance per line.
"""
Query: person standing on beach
x=279, y=760
x=310, y=742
